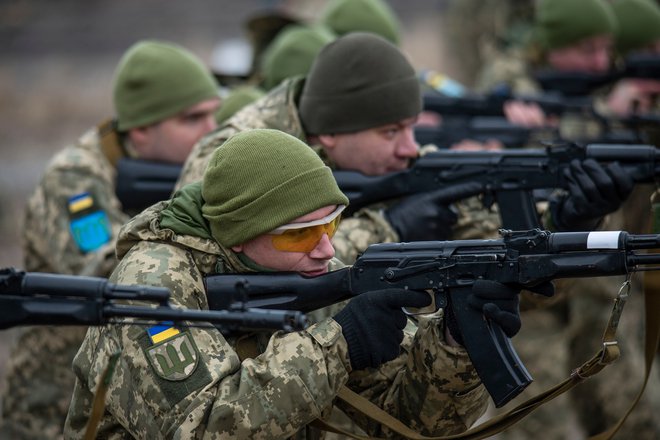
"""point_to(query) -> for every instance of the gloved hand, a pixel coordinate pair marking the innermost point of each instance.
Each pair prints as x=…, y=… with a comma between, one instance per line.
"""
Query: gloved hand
x=499, y=303
x=594, y=191
x=426, y=216
x=373, y=323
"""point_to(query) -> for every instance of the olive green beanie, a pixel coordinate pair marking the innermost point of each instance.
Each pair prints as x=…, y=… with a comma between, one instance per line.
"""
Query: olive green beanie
x=292, y=52
x=560, y=23
x=639, y=23
x=376, y=16
x=261, y=179
x=357, y=82
x=155, y=80
x=236, y=100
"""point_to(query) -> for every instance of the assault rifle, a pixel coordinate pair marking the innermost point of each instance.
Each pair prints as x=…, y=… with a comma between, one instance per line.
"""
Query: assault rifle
x=481, y=128
x=492, y=104
x=508, y=177
x=448, y=269
x=572, y=84
x=141, y=183
x=32, y=298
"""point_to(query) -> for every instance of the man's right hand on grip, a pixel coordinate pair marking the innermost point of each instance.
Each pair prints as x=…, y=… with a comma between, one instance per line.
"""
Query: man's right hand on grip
x=373, y=323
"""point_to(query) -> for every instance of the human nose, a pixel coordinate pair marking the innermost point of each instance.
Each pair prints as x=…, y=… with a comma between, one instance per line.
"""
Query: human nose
x=324, y=249
x=407, y=146
x=209, y=123
x=601, y=60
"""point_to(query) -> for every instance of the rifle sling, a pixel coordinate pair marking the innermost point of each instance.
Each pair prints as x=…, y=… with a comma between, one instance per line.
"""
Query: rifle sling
x=110, y=145
x=98, y=404
x=652, y=319
x=605, y=356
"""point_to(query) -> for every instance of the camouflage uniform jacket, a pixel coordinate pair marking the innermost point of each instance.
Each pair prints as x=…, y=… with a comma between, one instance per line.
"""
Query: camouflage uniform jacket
x=278, y=110
x=431, y=386
x=50, y=245
x=36, y=399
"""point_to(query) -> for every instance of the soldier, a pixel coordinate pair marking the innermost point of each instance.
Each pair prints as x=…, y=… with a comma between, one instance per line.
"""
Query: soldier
x=292, y=52
x=570, y=330
x=357, y=108
x=599, y=404
x=236, y=99
x=164, y=100
x=637, y=32
x=267, y=202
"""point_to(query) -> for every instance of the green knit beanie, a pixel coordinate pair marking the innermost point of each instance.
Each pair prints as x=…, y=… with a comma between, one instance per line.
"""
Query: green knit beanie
x=261, y=179
x=639, y=24
x=357, y=82
x=236, y=100
x=344, y=16
x=292, y=52
x=155, y=80
x=560, y=23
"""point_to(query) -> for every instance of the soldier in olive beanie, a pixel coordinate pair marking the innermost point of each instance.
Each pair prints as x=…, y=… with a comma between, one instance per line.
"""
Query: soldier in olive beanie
x=375, y=16
x=261, y=179
x=639, y=24
x=559, y=23
x=357, y=82
x=156, y=80
x=292, y=52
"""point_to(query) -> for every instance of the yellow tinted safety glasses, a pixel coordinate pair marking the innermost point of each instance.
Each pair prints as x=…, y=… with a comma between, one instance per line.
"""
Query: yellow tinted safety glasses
x=304, y=237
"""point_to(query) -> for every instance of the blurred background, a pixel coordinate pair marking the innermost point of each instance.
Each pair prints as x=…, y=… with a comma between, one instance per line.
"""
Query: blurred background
x=57, y=60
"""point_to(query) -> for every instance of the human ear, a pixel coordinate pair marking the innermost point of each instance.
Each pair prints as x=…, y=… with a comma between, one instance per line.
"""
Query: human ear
x=328, y=141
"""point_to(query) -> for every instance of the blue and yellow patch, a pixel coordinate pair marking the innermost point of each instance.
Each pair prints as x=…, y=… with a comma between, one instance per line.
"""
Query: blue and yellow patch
x=89, y=225
x=80, y=202
x=159, y=333
x=173, y=354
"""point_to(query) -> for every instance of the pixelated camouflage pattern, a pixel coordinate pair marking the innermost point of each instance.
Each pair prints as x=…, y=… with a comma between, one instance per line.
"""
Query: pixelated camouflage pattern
x=39, y=379
x=48, y=244
x=39, y=382
x=431, y=386
x=474, y=30
x=277, y=110
x=509, y=68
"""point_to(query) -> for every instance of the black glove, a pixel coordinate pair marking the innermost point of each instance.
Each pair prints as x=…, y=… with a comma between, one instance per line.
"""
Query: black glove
x=373, y=323
x=594, y=191
x=499, y=303
x=426, y=216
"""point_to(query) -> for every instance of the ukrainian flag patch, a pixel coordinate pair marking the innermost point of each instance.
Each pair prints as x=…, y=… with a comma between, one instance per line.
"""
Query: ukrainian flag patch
x=89, y=225
x=161, y=332
x=80, y=202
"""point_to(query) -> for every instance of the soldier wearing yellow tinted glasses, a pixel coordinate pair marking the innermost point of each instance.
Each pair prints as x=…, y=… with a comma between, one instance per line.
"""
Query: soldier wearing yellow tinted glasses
x=305, y=236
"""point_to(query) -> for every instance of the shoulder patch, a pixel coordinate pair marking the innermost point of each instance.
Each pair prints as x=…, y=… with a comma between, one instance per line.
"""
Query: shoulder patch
x=175, y=357
x=89, y=225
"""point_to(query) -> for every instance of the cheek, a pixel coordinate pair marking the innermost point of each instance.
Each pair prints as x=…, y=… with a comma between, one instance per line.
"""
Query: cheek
x=262, y=252
x=182, y=142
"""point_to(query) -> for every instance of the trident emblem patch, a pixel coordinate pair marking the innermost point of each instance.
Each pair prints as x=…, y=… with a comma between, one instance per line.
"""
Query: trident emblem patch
x=175, y=358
